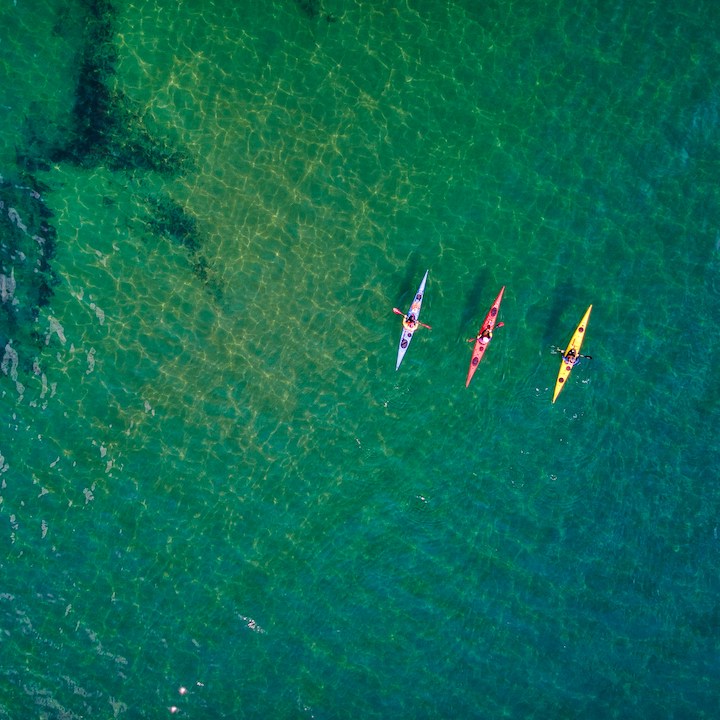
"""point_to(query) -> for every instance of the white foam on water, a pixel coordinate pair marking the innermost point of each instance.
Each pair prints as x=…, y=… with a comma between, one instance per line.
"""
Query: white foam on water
x=7, y=287
x=117, y=706
x=90, y=361
x=15, y=219
x=9, y=363
x=99, y=312
x=9, y=366
x=55, y=328
x=250, y=623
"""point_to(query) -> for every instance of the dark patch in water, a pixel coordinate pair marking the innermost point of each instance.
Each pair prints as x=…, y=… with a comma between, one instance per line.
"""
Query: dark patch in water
x=477, y=303
x=27, y=244
x=101, y=127
x=309, y=8
x=104, y=127
x=313, y=9
x=173, y=221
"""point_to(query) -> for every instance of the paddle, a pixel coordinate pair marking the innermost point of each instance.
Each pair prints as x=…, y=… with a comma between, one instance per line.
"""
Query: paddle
x=499, y=325
x=400, y=312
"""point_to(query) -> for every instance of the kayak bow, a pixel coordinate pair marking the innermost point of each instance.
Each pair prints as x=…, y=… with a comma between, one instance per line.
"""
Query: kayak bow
x=480, y=346
x=574, y=344
x=407, y=335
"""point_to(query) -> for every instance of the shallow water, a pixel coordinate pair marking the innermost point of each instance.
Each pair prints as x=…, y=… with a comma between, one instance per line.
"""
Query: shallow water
x=213, y=478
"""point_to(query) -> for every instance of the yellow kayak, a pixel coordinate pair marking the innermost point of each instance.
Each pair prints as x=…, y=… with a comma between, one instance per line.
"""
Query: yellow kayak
x=574, y=344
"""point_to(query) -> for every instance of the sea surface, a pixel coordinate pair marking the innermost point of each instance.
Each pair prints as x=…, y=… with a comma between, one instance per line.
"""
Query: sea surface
x=218, y=499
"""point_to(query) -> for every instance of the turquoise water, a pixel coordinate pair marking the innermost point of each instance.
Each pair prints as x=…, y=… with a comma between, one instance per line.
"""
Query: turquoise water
x=218, y=497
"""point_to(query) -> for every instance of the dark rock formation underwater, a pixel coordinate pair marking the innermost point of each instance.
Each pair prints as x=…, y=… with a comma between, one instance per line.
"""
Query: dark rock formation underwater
x=102, y=128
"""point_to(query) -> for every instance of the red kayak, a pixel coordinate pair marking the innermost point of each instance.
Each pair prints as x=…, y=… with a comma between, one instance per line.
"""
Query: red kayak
x=484, y=336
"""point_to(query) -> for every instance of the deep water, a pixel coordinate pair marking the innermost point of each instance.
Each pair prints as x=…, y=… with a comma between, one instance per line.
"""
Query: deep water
x=218, y=499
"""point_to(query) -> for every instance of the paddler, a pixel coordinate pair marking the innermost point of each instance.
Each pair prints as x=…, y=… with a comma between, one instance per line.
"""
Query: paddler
x=484, y=336
x=571, y=358
x=410, y=322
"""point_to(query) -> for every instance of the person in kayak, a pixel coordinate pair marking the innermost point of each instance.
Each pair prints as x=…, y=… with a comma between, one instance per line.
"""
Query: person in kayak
x=484, y=336
x=410, y=323
x=571, y=358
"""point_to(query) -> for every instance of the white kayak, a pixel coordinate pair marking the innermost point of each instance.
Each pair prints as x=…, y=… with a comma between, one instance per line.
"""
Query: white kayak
x=407, y=335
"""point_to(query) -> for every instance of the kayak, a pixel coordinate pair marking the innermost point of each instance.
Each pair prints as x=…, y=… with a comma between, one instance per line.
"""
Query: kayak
x=480, y=346
x=574, y=344
x=407, y=335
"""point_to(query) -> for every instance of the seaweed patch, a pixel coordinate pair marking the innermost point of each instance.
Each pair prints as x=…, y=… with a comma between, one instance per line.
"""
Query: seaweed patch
x=105, y=127
x=312, y=9
x=171, y=220
x=27, y=244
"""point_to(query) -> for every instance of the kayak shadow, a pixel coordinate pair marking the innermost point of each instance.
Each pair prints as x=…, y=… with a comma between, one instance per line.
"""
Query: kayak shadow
x=414, y=272
x=564, y=301
x=472, y=312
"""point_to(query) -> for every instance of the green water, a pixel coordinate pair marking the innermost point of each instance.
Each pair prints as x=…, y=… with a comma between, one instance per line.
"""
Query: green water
x=212, y=478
